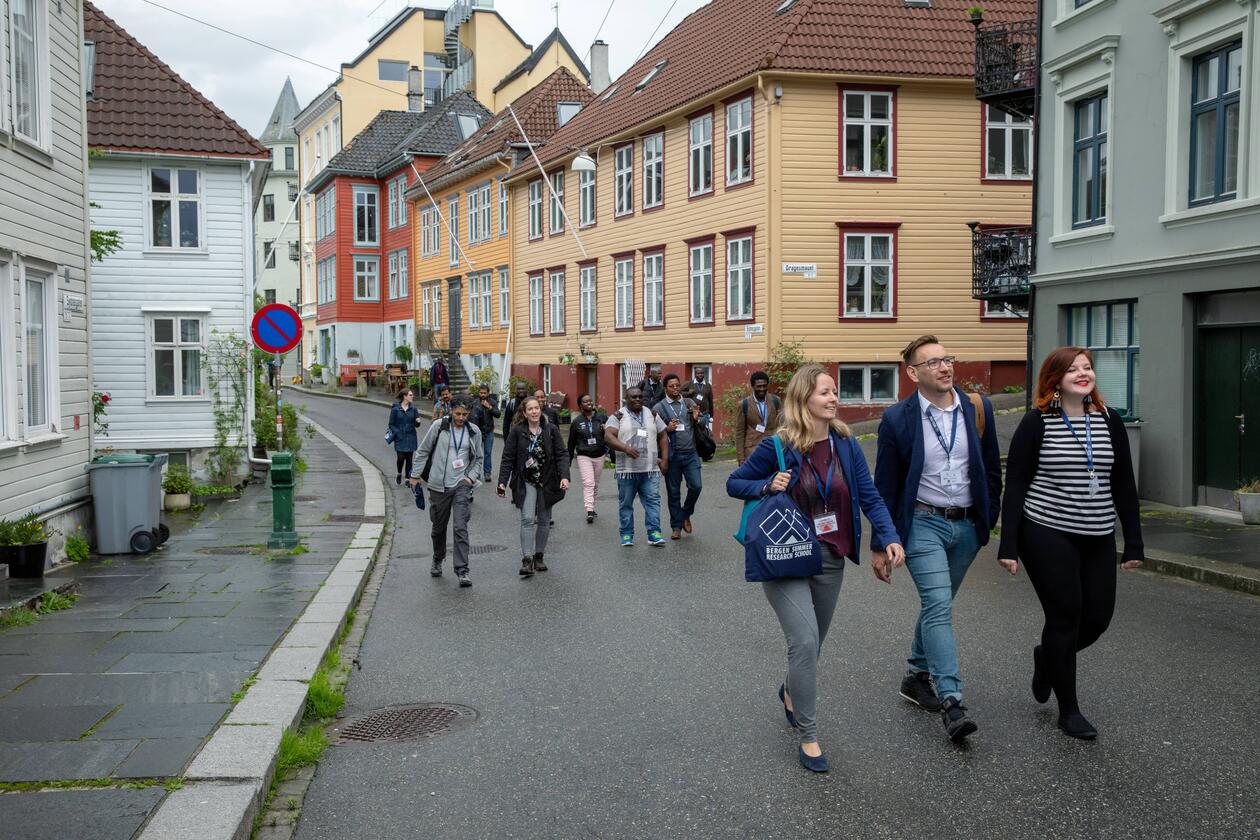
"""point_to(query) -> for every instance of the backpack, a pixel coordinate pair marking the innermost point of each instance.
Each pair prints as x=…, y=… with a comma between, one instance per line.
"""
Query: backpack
x=978, y=402
x=746, y=403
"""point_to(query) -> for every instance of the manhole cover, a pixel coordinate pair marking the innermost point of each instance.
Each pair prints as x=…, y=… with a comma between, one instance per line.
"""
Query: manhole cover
x=403, y=723
x=487, y=549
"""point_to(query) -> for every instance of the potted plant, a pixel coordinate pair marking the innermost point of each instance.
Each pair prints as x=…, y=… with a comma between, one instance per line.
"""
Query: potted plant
x=352, y=354
x=317, y=373
x=1249, y=501
x=567, y=359
x=975, y=13
x=404, y=355
x=178, y=487
x=24, y=546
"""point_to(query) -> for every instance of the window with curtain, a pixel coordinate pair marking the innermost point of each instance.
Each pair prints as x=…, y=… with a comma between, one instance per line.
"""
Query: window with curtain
x=535, y=209
x=487, y=298
x=587, y=298
x=175, y=207
x=739, y=278
x=586, y=199
x=868, y=133
x=624, y=288
x=557, y=202
x=653, y=290
x=536, y=305
x=739, y=142
x=653, y=170
x=1007, y=146
x=623, y=179
x=557, y=301
x=868, y=275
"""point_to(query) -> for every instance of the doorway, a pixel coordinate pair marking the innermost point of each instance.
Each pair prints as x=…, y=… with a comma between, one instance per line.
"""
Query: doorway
x=587, y=381
x=454, y=327
x=1229, y=412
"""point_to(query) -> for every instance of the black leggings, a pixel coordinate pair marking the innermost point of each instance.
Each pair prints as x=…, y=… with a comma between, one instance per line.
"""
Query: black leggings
x=1075, y=579
x=404, y=460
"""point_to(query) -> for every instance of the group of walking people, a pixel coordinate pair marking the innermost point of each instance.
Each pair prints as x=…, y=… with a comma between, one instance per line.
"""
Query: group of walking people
x=935, y=496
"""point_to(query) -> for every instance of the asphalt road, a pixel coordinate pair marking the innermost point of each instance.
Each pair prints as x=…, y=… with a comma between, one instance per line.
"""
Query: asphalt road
x=630, y=693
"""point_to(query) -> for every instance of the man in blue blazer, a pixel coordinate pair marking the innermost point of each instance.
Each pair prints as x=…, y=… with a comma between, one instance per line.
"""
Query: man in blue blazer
x=942, y=483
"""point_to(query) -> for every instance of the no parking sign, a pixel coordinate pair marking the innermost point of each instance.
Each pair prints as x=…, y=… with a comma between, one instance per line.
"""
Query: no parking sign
x=277, y=328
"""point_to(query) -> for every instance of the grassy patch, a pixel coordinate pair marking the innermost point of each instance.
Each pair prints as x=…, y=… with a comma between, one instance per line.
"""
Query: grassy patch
x=53, y=601
x=239, y=694
x=18, y=617
x=323, y=699
x=300, y=750
x=69, y=784
x=299, y=464
x=299, y=550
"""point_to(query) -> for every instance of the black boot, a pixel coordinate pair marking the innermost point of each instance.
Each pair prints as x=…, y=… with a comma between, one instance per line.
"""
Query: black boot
x=527, y=567
x=539, y=565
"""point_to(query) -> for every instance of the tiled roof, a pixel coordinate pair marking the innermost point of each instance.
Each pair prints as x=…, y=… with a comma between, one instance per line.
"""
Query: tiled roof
x=536, y=109
x=280, y=127
x=440, y=135
x=140, y=104
x=728, y=40
x=369, y=148
x=528, y=65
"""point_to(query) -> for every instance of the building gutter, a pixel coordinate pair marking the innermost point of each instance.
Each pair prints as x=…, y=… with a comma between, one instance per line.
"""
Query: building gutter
x=455, y=176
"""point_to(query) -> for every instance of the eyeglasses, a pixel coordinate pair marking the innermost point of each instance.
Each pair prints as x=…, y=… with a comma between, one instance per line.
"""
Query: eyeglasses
x=933, y=364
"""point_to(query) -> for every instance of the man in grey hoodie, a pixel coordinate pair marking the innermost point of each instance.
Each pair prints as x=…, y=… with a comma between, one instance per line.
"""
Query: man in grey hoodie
x=451, y=453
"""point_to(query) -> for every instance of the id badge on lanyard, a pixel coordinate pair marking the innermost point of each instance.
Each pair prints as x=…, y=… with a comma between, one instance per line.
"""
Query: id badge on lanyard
x=762, y=410
x=591, y=440
x=1094, y=484
x=951, y=476
x=826, y=522
x=457, y=462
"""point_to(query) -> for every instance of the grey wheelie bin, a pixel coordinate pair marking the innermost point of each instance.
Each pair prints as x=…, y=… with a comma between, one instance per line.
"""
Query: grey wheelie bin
x=127, y=499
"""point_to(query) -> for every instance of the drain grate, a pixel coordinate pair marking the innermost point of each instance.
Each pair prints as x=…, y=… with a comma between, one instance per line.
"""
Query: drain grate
x=404, y=723
x=487, y=549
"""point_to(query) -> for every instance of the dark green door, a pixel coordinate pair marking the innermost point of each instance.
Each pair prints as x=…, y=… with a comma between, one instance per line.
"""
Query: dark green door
x=1229, y=401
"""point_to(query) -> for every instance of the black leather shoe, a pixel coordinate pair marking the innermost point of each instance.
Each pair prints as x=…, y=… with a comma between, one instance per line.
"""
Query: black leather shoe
x=1077, y=726
x=954, y=716
x=590, y=517
x=1040, y=682
x=917, y=688
x=436, y=569
x=539, y=565
x=464, y=580
x=527, y=567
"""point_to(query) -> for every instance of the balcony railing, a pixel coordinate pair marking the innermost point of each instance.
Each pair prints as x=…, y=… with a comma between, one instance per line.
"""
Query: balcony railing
x=1006, y=66
x=294, y=254
x=460, y=78
x=1001, y=261
x=460, y=11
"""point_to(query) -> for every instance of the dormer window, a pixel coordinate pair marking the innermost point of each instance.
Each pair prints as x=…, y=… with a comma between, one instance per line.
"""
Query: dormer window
x=467, y=124
x=660, y=65
x=566, y=111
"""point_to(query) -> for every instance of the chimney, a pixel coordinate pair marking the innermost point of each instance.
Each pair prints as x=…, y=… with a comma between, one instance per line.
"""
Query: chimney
x=415, y=89
x=599, y=68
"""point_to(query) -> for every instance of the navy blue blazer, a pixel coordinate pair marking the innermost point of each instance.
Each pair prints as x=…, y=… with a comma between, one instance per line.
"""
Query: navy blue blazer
x=899, y=465
x=759, y=468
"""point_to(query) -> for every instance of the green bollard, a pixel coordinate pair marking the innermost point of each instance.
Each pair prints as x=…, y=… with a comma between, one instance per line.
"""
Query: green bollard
x=282, y=533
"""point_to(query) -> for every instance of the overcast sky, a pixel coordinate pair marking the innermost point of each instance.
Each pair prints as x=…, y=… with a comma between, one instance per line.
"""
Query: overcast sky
x=244, y=80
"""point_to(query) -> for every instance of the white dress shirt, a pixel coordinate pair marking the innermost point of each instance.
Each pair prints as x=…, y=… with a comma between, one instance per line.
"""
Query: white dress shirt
x=932, y=489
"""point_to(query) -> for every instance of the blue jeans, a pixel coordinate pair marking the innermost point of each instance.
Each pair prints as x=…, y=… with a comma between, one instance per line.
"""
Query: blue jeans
x=938, y=555
x=682, y=465
x=487, y=442
x=647, y=487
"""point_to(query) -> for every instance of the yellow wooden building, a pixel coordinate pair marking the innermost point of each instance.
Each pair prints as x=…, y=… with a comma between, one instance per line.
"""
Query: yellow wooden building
x=461, y=227
x=773, y=172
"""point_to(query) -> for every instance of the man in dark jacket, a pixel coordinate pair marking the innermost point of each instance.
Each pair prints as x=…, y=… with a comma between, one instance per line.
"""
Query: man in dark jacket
x=484, y=413
x=511, y=406
x=702, y=393
x=652, y=387
x=942, y=483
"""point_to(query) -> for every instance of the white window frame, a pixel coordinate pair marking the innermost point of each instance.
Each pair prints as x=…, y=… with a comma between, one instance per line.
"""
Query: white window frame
x=269, y=254
x=545, y=371
x=391, y=204
x=556, y=222
x=393, y=275
x=586, y=199
x=326, y=280
x=739, y=135
x=51, y=335
x=452, y=218
x=739, y=271
x=178, y=346
x=435, y=230
x=623, y=303
x=474, y=216
x=437, y=306
x=424, y=307
x=401, y=213
x=535, y=209
x=866, y=122
x=503, y=207
x=866, y=263
x=623, y=180
x=505, y=296
x=372, y=291
x=700, y=155
x=367, y=199
x=425, y=214
x=536, y=304
x=654, y=289
x=175, y=198
x=8, y=349
x=474, y=301
x=588, y=300
x=700, y=283
x=486, y=211
x=487, y=299
x=42, y=121
x=556, y=287
x=1010, y=128
x=654, y=170
x=867, y=397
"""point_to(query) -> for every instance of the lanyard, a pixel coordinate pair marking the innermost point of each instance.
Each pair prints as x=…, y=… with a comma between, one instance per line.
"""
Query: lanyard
x=638, y=418
x=1089, y=440
x=679, y=412
x=533, y=439
x=459, y=441
x=763, y=410
x=825, y=488
x=953, y=435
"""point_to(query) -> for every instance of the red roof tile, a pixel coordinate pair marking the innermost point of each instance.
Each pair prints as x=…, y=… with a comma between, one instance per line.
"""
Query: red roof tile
x=536, y=109
x=728, y=40
x=140, y=104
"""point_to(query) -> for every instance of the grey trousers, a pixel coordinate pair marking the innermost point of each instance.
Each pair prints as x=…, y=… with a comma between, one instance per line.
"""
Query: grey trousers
x=457, y=500
x=535, y=522
x=804, y=607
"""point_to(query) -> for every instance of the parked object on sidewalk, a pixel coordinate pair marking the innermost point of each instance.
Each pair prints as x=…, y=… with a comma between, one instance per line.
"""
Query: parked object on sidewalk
x=127, y=500
x=24, y=546
x=1249, y=502
x=177, y=488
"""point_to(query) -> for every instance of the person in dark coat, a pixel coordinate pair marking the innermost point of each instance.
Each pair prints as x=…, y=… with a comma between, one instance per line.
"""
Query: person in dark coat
x=652, y=387
x=535, y=464
x=484, y=413
x=512, y=406
x=702, y=393
x=404, y=419
x=438, y=377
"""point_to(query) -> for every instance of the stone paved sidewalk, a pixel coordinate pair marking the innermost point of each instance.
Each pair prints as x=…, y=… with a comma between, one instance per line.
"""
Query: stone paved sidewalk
x=130, y=682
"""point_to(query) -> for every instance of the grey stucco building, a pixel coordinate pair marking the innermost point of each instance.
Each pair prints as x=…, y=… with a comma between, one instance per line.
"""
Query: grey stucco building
x=1147, y=226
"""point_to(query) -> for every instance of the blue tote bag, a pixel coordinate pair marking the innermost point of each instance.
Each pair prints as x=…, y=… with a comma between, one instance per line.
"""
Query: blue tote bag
x=779, y=540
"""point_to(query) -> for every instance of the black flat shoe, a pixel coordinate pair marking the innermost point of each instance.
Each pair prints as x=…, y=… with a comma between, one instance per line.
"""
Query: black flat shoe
x=1077, y=726
x=791, y=718
x=817, y=765
x=590, y=517
x=527, y=567
x=1040, y=683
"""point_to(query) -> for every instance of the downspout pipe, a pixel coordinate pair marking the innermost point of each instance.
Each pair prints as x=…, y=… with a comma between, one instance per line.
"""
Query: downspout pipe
x=1032, y=289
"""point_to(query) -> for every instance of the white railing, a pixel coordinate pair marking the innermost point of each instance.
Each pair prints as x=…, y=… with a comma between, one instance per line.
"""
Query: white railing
x=458, y=79
x=460, y=11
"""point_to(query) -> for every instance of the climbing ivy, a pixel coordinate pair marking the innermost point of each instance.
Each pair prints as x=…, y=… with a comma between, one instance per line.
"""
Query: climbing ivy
x=226, y=363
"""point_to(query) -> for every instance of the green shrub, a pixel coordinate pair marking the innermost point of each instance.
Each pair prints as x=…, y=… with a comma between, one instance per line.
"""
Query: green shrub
x=27, y=530
x=1252, y=486
x=265, y=425
x=177, y=480
x=316, y=370
x=213, y=490
x=77, y=548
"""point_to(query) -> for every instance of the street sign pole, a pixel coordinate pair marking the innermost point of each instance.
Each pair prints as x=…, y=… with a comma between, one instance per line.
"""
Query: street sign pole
x=277, y=329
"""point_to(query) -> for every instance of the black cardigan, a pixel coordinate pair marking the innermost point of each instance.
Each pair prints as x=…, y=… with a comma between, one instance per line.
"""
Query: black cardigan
x=514, y=452
x=1021, y=466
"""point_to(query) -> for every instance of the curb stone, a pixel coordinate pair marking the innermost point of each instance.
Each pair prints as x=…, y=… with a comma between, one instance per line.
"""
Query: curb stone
x=229, y=777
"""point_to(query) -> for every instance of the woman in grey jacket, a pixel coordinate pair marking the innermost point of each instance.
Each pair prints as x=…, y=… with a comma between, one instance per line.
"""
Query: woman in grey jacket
x=450, y=466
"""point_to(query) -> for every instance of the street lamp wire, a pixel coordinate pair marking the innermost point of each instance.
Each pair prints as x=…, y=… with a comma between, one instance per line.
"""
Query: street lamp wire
x=595, y=38
x=654, y=31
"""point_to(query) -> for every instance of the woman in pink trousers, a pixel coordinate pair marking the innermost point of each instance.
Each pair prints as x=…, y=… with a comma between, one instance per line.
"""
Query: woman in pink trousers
x=586, y=443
